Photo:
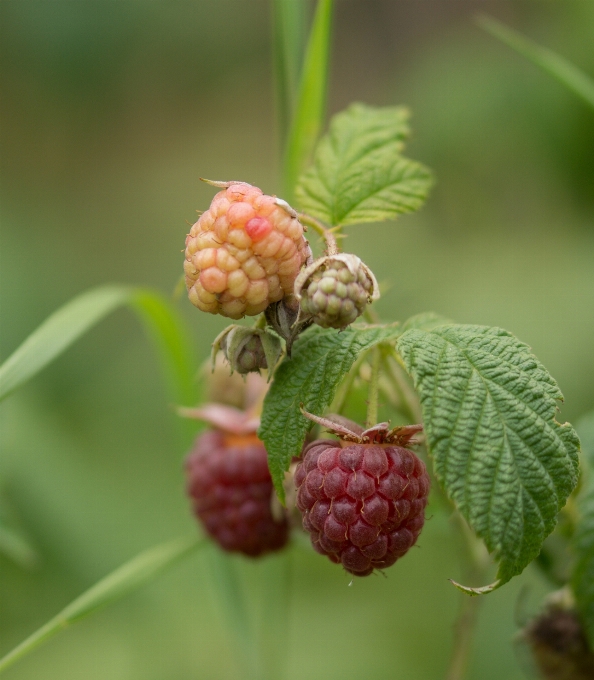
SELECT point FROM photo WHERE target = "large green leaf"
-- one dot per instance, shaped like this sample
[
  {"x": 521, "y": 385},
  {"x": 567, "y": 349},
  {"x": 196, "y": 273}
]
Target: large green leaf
[
  {"x": 320, "y": 360},
  {"x": 358, "y": 174},
  {"x": 131, "y": 575},
  {"x": 311, "y": 101},
  {"x": 489, "y": 414},
  {"x": 76, "y": 317},
  {"x": 555, "y": 65}
]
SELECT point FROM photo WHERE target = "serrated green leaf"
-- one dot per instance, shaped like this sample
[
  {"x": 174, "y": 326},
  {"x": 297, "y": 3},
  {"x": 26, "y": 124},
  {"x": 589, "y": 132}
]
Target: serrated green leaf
[
  {"x": 310, "y": 107},
  {"x": 489, "y": 414},
  {"x": 358, "y": 174},
  {"x": 320, "y": 360},
  {"x": 131, "y": 575},
  {"x": 554, "y": 64}
]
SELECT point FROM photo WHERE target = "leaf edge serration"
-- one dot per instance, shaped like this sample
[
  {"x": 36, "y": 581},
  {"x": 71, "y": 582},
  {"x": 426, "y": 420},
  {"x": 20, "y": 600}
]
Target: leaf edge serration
[{"x": 525, "y": 546}]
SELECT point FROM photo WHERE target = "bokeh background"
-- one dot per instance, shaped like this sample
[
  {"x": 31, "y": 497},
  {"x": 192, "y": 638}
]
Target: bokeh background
[{"x": 110, "y": 113}]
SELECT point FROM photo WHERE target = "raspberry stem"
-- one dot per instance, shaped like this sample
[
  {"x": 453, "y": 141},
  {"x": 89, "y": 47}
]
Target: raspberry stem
[
  {"x": 324, "y": 232},
  {"x": 407, "y": 403},
  {"x": 373, "y": 394},
  {"x": 476, "y": 564}
]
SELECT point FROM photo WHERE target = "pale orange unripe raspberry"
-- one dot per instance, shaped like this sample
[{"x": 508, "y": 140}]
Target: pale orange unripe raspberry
[{"x": 243, "y": 253}]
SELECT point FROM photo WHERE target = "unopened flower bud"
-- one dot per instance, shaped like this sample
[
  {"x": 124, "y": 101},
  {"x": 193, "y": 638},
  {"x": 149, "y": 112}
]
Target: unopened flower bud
[{"x": 248, "y": 349}]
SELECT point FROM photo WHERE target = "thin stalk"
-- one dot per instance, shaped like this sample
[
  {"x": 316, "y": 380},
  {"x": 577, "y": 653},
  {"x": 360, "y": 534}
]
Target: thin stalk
[
  {"x": 288, "y": 32},
  {"x": 373, "y": 394},
  {"x": 410, "y": 405},
  {"x": 327, "y": 234},
  {"x": 463, "y": 634},
  {"x": 476, "y": 562},
  {"x": 342, "y": 394}
]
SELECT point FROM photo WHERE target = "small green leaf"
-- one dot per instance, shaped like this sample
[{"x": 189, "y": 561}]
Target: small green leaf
[
  {"x": 311, "y": 101},
  {"x": 489, "y": 414},
  {"x": 321, "y": 358},
  {"x": 131, "y": 575},
  {"x": 555, "y": 65},
  {"x": 358, "y": 174}
]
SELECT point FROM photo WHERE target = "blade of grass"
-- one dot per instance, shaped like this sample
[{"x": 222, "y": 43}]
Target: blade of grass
[
  {"x": 76, "y": 317},
  {"x": 555, "y": 65},
  {"x": 140, "y": 570},
  {"x": 57, "y": 333},
  {"x": 234, "y": 612},
  {"x": 164, "y": 326},
  {"x": 311, "y": 102},
  {"x": 13, "y": 545},
  {"x": 274, "y": 589},
  {"x": 288, "y": 31}
]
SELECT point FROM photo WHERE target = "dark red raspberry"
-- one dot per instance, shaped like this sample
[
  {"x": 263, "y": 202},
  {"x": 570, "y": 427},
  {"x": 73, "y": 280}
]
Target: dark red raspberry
[
  {"x": 231, "y": 490},
  {"x": 363, "y": 504}
]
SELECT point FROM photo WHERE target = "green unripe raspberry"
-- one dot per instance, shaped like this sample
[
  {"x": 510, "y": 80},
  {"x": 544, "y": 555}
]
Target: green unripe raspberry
[{"x": 335, "y": 289}]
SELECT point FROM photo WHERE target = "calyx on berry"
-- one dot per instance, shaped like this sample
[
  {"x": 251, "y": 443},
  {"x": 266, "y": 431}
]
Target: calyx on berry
[
  {"x": 248, "y": 349},
  {"x": 349, "y": 431},
  {"x": 335, "y": 289},
  {"x": 286, "y": 319},
  {"x": 363, "y": 498}
]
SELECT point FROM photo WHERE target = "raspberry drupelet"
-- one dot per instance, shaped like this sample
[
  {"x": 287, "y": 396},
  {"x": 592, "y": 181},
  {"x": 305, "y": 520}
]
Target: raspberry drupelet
[
  {"x": 244, "y": 252},
  {"x": 362, "y": 501}
]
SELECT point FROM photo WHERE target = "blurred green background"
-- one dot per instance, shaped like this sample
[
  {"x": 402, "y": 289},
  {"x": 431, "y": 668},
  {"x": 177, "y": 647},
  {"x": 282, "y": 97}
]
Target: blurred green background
[{"x": 111, "y": 111}]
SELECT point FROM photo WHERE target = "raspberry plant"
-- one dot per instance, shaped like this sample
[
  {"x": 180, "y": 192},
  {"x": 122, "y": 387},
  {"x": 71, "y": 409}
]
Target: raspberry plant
[{"x": 478, "y": 405}]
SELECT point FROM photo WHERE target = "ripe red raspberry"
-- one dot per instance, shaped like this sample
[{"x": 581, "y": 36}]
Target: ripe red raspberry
[
  {"x": 243, "y": 253},
  {"x": 231, "y": 490},
  {"x": 363, "y": 504}
]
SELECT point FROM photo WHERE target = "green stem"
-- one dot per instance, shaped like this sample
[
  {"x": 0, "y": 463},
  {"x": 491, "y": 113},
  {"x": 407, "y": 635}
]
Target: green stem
[
  {"x": 345, "y": 388},
  {"x": 372, "y": 406},
  {"x": 409, "y": 404},
  {"x": 476, "y": 563},
  {"x": 323, "y": 231}
]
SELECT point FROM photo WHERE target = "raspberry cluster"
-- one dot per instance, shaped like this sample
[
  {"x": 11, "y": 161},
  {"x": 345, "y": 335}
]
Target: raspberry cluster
[
  {"x": 243, "y": 253},
  {"x": 363, "y": 504},
  {"x": 231, "y": 491}
]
